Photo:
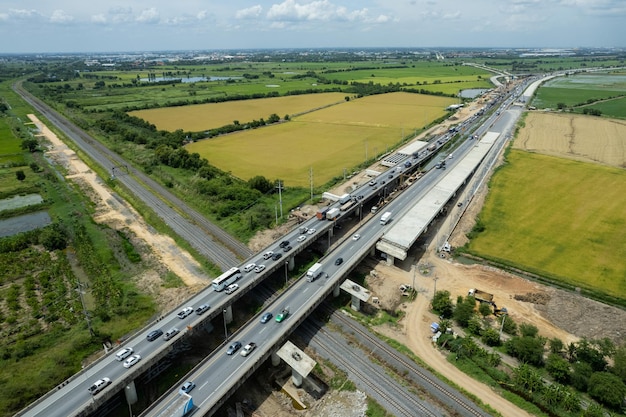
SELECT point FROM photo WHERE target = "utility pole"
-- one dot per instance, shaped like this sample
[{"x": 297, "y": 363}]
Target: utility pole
[
  {"x": 82, "y": 301},
  {"x": 280, "y": 197},
  {"x": 225, "y": 328},
  {"x": 435, "y": 290},
  {"x": 311, "y": 181}
]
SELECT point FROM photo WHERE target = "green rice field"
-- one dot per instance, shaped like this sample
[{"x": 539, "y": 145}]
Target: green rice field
[
  {"x": 571, "y": 228},
  {"x": 603, "y": 91},
  {"x": 326, "y": 141}
]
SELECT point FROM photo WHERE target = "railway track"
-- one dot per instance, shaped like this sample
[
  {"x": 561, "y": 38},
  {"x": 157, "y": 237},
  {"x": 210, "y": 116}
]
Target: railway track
[
  {"x": 403, "y": 366},
  {"x": 388, "y": 392},
  {"x": 210, "y": 240}
]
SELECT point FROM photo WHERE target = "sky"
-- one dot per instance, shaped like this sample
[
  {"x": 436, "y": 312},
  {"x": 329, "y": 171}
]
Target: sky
[{"x": 49, "y": 26}]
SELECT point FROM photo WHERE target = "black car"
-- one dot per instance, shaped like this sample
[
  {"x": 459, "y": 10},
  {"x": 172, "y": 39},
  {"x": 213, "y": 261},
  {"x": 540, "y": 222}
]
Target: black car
[
  {"x": 338, "y": 261},
  {"x": 284, "y": 243},
  {"x": 154, "y": 335},
  {"x": 234, "y": 347},
  {"x": 277, "y": 256},
  {"x": 287, "y": 248}
]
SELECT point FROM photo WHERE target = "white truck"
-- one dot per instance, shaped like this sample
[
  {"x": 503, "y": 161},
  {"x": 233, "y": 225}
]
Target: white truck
[
  {"x": 344, "y": 198},
  {"x": 314, "y": 272},
  {"x": 385, "y": 218},
  {"x": 332, "y": 214}
]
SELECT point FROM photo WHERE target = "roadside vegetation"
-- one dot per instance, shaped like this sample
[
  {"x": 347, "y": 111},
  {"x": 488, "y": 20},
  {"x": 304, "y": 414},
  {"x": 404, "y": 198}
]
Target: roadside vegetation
[{"x": 551, "y": 378}]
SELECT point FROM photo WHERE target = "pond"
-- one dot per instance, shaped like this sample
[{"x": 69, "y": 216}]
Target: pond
[
  {"x": 20, "y": 201},
  {"x": 473, "y": 92},
  {"x": 24, "y": 223}
]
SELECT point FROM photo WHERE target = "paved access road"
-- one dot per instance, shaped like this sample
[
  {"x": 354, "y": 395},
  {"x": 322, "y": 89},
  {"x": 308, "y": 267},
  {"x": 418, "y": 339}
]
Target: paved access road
[{"x": 207, "y": 238}]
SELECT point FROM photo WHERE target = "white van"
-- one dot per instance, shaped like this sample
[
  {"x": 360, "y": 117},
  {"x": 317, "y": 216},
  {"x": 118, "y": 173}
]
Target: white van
[
  {"x": 249, "y": 267},
  {"x": 124, "y": 353}
]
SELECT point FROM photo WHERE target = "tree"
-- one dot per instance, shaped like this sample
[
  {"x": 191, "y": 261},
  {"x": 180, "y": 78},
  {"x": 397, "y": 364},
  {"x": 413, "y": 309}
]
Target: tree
[
  {"x": 464, "y": 310},
  {"x": 528, "y": 330},
  {"x": 556, "y": 345},
  {"x": 619, "y": 363},
  {"x": 484, "y": 309},
  {"x": 558, "y": 368},
  {"x": 34, "y": 167},
  {"x": 53, "y": 237},
  {"x": 261, "y": 184},
  {"x": 581, "y": 372},
  {"x": 607, "y": 388},
  {"x": 20, "y": 175},
  {"x": 588, "y": 351},
  {"x": 526, "y": 349},
  {"x": 510, "y": 327},
  {"x": 442, "y": 304},
  {"x": 31, "y": 145},
  {"x": 491, "y": 337}
]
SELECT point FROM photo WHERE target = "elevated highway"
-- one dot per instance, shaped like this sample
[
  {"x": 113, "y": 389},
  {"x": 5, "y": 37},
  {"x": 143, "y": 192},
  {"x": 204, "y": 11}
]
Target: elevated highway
[{"x": 72, "y": 399}]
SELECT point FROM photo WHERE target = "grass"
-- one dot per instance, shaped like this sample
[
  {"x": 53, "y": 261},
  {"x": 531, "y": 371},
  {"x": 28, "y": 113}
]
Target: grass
[
  {"x": 570, "y": 227},
  {"x": 323, "y": 142}
]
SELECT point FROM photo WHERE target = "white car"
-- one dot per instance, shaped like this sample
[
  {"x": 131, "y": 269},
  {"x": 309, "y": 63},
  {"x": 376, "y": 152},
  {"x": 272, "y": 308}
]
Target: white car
[
  {"x": 185, "y": 312},
  {"x": 131, "y": 361},
  {"x": 302, "y": 238},
  {"x": 267, "y": 255},
  {"x": 311, "y": 231},
  {"x": 247, "y": 349},
  {"x": 232, "y": 288},
  {"x": 259, "y": 268},
  {"x": 356, "y": 237},
  {"x": 124, "y": 353}
]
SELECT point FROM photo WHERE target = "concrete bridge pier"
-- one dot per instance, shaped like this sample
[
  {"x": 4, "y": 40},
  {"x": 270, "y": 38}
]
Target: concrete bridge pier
[
  {"x": 228, "y": 314},
  {"x": 390, "y": 260},
  {"x": 275, "y": 359},
  {"x": 336, "y": 291},
  {"x": 296, "y": 378},
  {"x": 291, "y": 264}
]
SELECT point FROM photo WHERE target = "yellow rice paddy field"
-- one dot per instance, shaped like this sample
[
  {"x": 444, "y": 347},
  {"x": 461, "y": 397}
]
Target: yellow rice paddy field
[
  {"x": 325, "y": 142},
  {"x": 200, "y": 117},
  {"x": 580, "y": 137}
]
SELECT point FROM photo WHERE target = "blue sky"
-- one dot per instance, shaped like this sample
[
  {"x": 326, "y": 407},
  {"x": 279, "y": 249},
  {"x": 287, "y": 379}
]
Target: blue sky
[{"x": 155, "y": 25}]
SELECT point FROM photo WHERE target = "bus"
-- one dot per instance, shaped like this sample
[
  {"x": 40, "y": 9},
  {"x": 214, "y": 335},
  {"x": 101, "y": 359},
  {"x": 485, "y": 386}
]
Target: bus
[{"x": 227, "y": 278}]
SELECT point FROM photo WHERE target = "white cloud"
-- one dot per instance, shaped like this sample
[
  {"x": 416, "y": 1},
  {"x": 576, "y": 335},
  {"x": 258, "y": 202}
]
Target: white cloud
[
  {"x": 318, "y": 10},
  {"x": 24, "y": 14},
  {"x": 4, "y": 17},
  {"x": 249, "y": 13},
  {"x": 99, "y": 18},
  {"x": 201, "y": 15},
  {"x": 59, "y": 16},
  {"x": 150, "y": 15}
]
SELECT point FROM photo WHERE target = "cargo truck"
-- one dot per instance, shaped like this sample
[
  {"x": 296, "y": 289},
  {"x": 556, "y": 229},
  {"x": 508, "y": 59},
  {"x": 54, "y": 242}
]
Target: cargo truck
[
  {"x": 481, "y": 296},
  {"x": 332, "y": 214},
  {"x": 385, "y": 218},
  {"x": 314, "y": 272},
  {"x": 347, "y": 205},
  {"x": 321, "y": 213},
  {"x": 431, "y": 147}
]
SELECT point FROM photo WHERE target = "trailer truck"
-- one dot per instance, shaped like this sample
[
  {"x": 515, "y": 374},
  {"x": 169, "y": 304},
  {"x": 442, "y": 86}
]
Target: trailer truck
[
  {"x": 385, "y": 218},
  {"x": 314, "y": 272},
  {"x": 344, "y": 199}
]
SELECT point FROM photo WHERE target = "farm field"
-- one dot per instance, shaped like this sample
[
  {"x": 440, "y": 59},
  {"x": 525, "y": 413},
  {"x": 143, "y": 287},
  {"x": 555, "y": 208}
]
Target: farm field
[
  {"x": 326, "y": 141},
  {"x": 604, "y": 92},
  {"x": 201, "y": 117},
  {"x": 570, "y": 228},
  {"x": 10, "y": 146},
  {"x": 580, "y": 137}
]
